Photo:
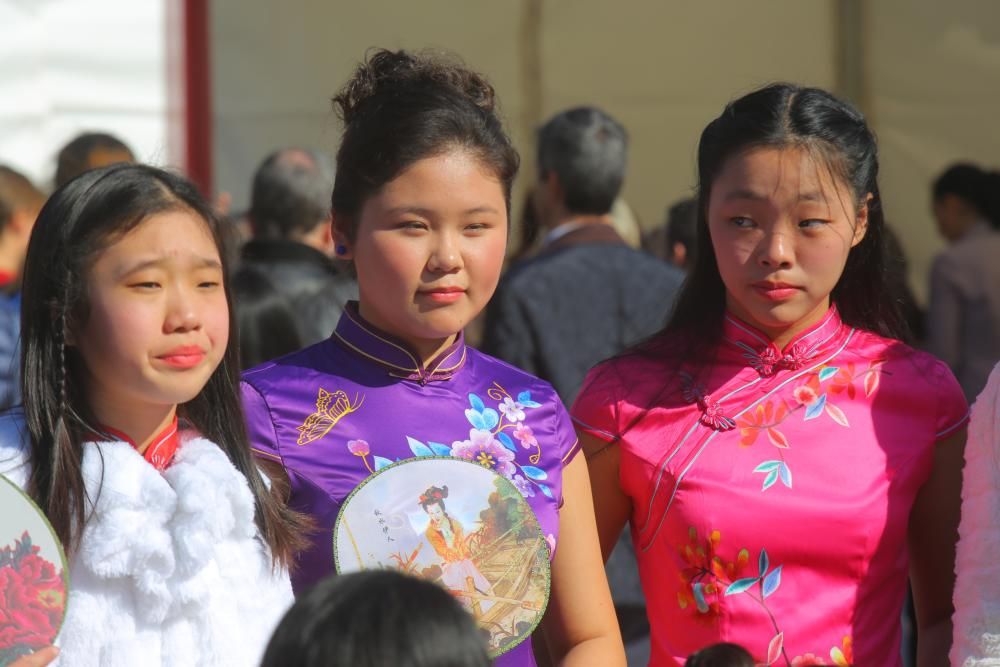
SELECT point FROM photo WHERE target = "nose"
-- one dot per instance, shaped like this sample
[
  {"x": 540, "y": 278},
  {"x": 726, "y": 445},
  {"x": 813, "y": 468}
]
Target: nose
[
  {"x": 446, "y": 254},
  {"x": 183, "y": 312},
  {"x": 776, "y": 250}
]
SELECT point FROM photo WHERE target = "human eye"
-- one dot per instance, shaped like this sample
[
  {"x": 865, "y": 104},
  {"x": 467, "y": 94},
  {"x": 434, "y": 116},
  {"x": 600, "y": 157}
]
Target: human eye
[
  {"x": 144, "y": 285},
  {"x": 208, "y": 279},
  {"x": 741, "y": 222},
  {"x": 812, "y": 223},
  {"x": 477, "y": 227},
  {"x": 412, "y": 226}
]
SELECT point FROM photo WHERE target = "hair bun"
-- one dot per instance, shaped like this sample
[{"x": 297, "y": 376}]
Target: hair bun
[{"x": 391, "y": 74}]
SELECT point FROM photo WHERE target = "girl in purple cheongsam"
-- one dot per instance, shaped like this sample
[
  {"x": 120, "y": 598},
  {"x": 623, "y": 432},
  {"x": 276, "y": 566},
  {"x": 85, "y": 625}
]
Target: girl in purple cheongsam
[{"x": 421, "y": 207}]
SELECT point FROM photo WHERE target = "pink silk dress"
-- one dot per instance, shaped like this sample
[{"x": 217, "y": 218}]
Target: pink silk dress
[{"x": 771, "y": 491}]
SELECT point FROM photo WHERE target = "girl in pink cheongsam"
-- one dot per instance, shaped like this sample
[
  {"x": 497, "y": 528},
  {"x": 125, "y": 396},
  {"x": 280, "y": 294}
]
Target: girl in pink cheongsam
[{"x": 784, "y": 460}]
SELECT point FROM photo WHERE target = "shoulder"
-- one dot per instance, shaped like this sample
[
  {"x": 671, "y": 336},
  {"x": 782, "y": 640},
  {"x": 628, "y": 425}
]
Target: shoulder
[
  {"x": 487, "y": 366},
  {"x": 915, "y": 380},
  {"x": 906, "y": 365},
  {"x": 275, "y": 373},
  {"x": 632, "y": 374},
  {"x": 15, "y": 447}
]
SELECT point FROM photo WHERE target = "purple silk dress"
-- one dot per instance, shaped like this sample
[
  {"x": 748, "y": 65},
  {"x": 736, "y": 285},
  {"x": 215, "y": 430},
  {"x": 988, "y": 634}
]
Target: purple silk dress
[{"x": 335, "y": 413}]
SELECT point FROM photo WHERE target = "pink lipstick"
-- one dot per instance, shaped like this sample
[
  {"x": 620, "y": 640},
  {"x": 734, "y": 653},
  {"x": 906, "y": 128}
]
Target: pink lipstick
[
  {"x": 443, "y": 295},
  {"x": 774, "y": 291},
  {"x": 183, "y": 356}
]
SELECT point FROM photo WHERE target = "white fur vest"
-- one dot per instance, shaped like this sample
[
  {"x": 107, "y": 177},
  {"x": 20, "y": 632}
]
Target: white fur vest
[
  {"x": 977, "y": 561},
  {"x": 170, "y": 570}
]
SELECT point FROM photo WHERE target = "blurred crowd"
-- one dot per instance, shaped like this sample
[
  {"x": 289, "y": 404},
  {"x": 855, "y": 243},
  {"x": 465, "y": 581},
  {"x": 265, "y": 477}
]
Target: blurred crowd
[{"x": 585, "y": 281}]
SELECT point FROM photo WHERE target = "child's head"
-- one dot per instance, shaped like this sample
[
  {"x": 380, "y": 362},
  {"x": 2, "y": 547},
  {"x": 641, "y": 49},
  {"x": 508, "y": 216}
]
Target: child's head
[
  {"x": 376, "y": 618},
  {"x": 720, "y": 655},
  {"x": 962, "y": 195},
  {"x": 20, "y": 202},
  {"x": 124, "y": 299},
  {"x": 789, "y": 217},
  {"x": 125, "y": 311},
  {"x": 422, "y": 193}
]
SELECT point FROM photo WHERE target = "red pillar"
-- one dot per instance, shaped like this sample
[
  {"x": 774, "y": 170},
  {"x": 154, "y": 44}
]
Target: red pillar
[{"x": 197, "y": 96}]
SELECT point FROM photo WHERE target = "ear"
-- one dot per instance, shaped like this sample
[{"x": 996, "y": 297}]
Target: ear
[
  {"x": 326, "y": 237},
  {"x": 343, "y": 248},
  {"x": 22, "y": 221},
  {"x": 861, "y": 221}
]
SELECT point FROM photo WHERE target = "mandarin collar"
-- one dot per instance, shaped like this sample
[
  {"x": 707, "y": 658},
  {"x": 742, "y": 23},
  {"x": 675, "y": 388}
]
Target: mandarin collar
[
  {"x": 161, "y": 450},
  {"x": 761, "y": 354},
  {"x": 393, "y": 354}
]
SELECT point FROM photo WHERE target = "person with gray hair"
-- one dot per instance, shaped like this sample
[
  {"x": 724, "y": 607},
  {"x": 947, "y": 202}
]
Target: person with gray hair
[
  {"x": 292, "y": 243},
  {"x": 585, "y": 297}
]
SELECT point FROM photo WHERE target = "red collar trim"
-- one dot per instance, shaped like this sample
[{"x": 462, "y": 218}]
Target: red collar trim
[{"x": 161, "y": 451}]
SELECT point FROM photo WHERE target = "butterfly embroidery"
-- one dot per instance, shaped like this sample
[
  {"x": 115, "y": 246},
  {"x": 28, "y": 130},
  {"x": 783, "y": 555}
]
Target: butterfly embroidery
[{"x": 331, "y": 407}]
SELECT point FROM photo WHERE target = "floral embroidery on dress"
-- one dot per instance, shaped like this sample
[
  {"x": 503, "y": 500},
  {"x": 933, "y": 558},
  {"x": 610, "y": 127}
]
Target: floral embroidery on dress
[
  {"x": 842, "y": 656},
  {"x": 706, "y": 575},
  {"x": 814, "y": 398},
  {"x": 707, "y": 578},
  {"x": 488, "y": 442}
]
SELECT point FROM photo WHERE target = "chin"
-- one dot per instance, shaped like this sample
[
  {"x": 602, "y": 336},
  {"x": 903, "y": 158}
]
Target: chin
[{"x": 433, "y": 328}]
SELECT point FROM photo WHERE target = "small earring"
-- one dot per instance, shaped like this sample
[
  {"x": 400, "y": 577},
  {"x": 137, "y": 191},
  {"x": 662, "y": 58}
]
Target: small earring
[{"x": 341, "y": 249}]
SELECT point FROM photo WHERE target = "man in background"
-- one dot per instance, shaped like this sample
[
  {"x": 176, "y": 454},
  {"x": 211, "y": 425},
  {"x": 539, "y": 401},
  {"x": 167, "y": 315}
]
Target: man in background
[
  {"x": 585, "y": 297},
  {"x": 292, "y": 242},
  {"x": 20, "y": 203}
]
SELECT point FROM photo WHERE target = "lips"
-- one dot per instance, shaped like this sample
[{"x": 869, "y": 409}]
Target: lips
[
  {"x": 443, "y": 294},
  {"x": 775, "y": 291},
  {"x": 183, "y": 356}
]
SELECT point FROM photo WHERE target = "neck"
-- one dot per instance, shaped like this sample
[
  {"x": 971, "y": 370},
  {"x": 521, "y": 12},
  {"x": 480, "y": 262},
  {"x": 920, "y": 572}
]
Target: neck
[
  {"x": 578, "y": 219},
  {"x": 970, "y": 223},
  {"x": 140, "y": 425},
  {"x": 781, "y": 336},
  {"x": 429, "y": 350},
  {"x": 425, "y": 350}
]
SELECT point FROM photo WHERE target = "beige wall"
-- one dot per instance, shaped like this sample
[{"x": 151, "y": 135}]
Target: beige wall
[
  {"x": 927, "y": 75},
  {"x": 664, "y": 69},
  {"x": 933, "y": 96}
]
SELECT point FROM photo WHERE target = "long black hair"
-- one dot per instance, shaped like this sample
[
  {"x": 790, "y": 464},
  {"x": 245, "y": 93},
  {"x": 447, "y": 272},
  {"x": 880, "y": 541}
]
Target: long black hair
[
  {"x": 784, "y": 115},
  {"x": 77, "y": 223},
  {"x": 375, "y": 618}
]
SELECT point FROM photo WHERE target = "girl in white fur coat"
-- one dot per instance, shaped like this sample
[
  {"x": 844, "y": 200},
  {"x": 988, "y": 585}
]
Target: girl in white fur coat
[
  {"x": 131, "y": 437},
  {"x": 977, "y": 560}
]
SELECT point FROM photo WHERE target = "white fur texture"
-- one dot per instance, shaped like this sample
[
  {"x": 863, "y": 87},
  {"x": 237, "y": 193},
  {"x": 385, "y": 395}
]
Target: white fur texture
[
  {"x": 170, "y": 570},
  {"x": 977, "y": 562}
]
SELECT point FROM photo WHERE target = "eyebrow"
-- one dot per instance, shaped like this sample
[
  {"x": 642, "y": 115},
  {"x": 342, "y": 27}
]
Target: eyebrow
[
  {"x": 200, "y": 263},
  {"x": 428, "y": 213},
  {"x": 753, "y": 195}
]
